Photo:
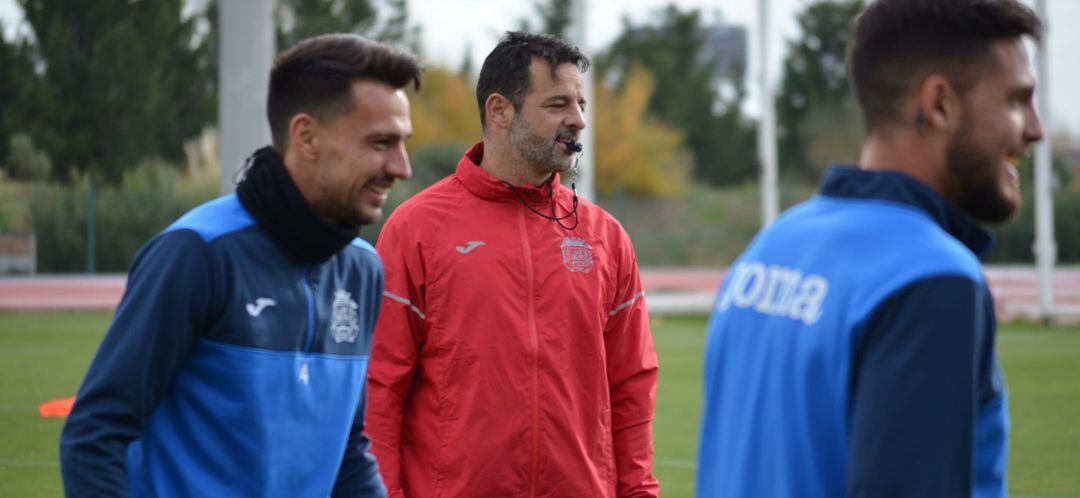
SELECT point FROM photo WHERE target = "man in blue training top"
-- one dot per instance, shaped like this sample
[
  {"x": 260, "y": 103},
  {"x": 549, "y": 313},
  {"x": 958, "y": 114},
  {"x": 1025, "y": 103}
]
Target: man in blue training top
[
  {"x": 851, "y": 349},
  {"x": 235, "y": 363}
]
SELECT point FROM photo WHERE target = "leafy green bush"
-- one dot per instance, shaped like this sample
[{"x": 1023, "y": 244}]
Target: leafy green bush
[
  {"x": 26, "y": 162},
  {"x": 708, "y": 227},
  {"x": 149, "y": 198}
]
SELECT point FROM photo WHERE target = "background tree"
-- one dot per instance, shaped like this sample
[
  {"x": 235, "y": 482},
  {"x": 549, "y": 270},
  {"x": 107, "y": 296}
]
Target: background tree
[
  {"x": 687, "y": 92},
  {"x": 398, "y": 29},
  {"x": 445, "y": 123},
  {"x": 100, "y": 89},
  {"x": 635, "y": 153},
  {"x": 299, "y": 19},
  {"x": 444, "y": 111},
  {"x": 14, "y": 88},
  {"x": 554, "y": 16},
  {"x": 816, "y": 112},
  {"x": 112, "y": 84}
]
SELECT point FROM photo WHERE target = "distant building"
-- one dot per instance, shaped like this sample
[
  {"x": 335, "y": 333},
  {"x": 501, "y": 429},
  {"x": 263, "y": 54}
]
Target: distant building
[{"x": 727, "y": 44}]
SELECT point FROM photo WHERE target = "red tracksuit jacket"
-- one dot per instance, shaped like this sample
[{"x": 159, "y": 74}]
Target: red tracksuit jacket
[{"x": 513, "y": 357}]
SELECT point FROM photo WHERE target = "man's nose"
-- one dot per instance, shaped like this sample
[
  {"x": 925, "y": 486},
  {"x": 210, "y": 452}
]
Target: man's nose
[
  {"x": 576, "y": 119},
  {"x": 1033, "y": 127},
  {"x": 398, "y": 165}
]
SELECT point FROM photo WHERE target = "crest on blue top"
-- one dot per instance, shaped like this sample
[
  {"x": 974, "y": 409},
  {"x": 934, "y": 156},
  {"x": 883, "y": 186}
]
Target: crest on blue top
[{"x": 345, "y": 321}]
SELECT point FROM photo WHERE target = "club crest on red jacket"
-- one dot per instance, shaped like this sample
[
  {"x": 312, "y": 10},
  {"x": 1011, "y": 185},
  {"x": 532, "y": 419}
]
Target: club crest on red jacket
[{"x": 577, "y": 255}]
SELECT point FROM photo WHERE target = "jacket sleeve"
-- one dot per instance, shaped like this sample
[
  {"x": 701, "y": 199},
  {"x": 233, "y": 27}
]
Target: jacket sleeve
[
  {"x": 165, "y": 309},
  {"x": 632, "y": 373},
  {"x": 394, "y": 356},
  {"x": 914, "y": 388},
  {"x": 359, "y": 475}
]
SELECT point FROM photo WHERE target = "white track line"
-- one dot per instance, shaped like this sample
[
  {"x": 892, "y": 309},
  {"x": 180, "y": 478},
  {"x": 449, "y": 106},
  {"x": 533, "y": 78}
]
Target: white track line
[{"x": 15, "y": 462}]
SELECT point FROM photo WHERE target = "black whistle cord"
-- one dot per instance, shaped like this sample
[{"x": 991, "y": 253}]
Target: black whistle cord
[{"x": 551, "y": 197}]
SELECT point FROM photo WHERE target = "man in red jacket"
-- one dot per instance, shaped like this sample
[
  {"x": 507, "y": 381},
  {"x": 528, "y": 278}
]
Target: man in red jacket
[{"x": 513, "y": 355}]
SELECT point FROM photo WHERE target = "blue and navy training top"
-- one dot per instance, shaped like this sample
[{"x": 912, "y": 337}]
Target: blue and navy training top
[
  {"x": 229, "y": 371},
  {"x": 851, "y": 353}
]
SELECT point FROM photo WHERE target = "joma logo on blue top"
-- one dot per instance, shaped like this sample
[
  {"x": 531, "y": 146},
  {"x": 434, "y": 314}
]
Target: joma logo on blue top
[{"x": 775, "y": 290}]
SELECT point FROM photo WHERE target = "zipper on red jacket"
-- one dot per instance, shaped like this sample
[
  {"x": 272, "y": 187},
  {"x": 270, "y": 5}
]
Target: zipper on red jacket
[{"x": 534, "y": 342}]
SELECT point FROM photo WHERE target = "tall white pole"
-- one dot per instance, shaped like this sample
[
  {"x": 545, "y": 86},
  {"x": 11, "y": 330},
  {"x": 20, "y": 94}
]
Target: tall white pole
[
  {"x": 586, "y": 179},
  {"x": 767, "y": 128},
  {"x": 245, "y": 55},
  {"x": 1045, "y": 247}
]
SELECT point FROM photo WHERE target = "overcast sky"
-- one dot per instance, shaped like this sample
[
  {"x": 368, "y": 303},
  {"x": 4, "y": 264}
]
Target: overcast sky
[{"x": 450, "y": 27}]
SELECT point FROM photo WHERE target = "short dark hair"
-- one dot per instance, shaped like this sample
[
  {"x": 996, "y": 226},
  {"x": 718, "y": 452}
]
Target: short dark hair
[
  {"x": 315, "y": 76},
  {"x": 897, "y": 43},
  {"x": 506, "y": 68}
]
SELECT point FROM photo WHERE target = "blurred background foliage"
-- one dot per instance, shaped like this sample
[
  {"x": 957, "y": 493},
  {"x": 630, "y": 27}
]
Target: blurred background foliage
[{"x": 119, "y": 101}]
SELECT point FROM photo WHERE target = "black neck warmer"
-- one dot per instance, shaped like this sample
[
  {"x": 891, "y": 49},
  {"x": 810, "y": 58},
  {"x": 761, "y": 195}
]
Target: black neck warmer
[{"x": 269, "y": 194}]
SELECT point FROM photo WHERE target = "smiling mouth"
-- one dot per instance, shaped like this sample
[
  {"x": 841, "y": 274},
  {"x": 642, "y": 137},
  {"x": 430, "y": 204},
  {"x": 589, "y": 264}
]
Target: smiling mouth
[
  {"x": 1012, "y": 172},
  {"x": 382, "y": 190}
]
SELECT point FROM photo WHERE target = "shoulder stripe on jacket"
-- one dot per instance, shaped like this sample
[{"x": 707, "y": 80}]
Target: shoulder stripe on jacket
[
  {"x": 406, "y": 302},
  {"x": 623, "y": 306},
  {"x": 215, "y": 218}
]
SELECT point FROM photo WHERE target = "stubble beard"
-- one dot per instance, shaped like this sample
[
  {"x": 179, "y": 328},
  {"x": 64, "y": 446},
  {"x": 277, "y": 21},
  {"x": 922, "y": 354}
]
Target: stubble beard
[
  {"x": 346, "y": 215},
  {"x": 536, "y": 150},
  {"x": 347, "y": 209},
  {"x": 975, "y": 183}
]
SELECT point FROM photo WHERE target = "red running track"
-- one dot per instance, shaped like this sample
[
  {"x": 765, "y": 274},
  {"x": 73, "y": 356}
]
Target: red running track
[{"x": 1015, "y": 289}]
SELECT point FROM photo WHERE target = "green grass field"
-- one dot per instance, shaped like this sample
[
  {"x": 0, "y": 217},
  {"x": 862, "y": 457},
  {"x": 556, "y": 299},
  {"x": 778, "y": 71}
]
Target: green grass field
[{"x": 43, "y": 356}]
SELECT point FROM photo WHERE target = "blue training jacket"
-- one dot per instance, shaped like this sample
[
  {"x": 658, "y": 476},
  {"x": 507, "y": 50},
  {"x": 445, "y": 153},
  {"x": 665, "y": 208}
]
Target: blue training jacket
[
  {"x": 229, "y": 371},
  {"x": 851, "y": 353}
]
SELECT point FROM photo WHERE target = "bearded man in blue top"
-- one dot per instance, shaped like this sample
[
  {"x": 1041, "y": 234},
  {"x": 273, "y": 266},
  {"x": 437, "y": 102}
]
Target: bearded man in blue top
[{"x": 851, "y": 348}]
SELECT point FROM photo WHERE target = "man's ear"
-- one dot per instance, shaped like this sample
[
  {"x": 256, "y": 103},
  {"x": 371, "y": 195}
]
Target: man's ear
[
  {"x": 937, "y": 105},
  {"x": 499, "y": 111},
  {"x": 304, "y": 136}
]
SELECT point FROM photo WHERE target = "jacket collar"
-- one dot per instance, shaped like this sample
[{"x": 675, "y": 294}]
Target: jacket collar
[
  {"x": 852, "y": 183},
  {"x": 482, "y": 184},
  {"x": 270, "y": 194}
]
